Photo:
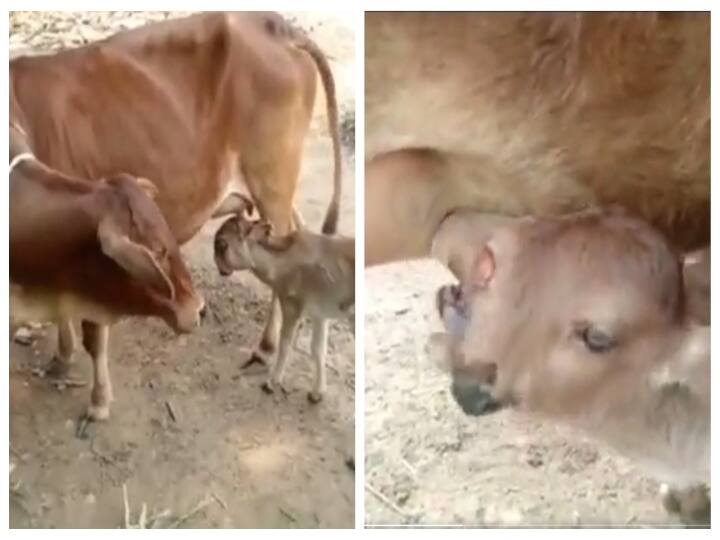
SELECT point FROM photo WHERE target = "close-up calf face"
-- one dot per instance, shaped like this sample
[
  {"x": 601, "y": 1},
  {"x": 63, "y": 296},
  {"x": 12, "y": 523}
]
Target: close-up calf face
[{"x": 561, "y": 314}]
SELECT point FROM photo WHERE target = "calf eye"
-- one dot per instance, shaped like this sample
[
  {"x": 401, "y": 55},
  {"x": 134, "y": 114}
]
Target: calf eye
[{"x": 596, "y": 340}]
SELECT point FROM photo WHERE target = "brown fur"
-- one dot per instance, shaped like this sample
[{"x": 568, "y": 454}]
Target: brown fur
[{"x": 540, "y": 113}]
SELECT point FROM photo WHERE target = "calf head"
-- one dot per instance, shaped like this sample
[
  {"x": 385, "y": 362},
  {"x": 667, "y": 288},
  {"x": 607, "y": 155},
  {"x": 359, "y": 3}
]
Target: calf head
[
  {"x": 134, "y": 234},
  {"x": 239, "y": 240},
  {"x": 570, "y": 316}
]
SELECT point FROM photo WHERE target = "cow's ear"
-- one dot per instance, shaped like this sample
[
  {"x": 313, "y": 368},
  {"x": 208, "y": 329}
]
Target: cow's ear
[
  {"x": 134, "y": 258},
  {"x": 483, "y": 268},
  {"x": 147, "y": 186}
]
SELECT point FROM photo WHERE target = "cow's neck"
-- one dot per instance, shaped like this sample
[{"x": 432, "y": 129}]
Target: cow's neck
[{"x": 42, "y": 201}]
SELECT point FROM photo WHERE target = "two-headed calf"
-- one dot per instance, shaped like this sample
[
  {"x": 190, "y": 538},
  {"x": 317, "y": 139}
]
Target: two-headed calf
[
  {"x": 584, "y": 319},
  {"x": 313, "y": 276}
]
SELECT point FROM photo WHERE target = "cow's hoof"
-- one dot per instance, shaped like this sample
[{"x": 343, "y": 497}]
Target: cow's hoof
[
  {"x": 314, "y": 397},
  {"x": 56, "y": 369},
  {"x": 267, "y": 388}
]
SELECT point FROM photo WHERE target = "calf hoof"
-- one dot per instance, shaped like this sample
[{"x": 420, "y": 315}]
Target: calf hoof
[
  {"x": 314, "y": 397},
  {"x": 254, "y": 360},
  {"x": 269, "y": 388}
]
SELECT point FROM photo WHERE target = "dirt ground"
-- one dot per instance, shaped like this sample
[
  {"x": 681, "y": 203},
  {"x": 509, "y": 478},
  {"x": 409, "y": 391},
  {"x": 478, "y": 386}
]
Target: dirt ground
[
  {"x": 237, "y": 456},
  {"x": 432, "y": 465}
]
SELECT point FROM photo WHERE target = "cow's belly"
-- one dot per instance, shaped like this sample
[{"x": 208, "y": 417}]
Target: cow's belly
[
  {"x": 187, "y": 214},
  {"x": 30, "y": 305}
]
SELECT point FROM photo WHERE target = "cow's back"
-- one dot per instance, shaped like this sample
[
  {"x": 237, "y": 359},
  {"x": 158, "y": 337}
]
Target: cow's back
[{"x": 176, "y": 102}]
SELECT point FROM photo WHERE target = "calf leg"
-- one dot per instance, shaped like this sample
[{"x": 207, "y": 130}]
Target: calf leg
[
  {"x": 273, "y": 191},
  {"x": 319, "y": 350},
  {"x": 95, "y": 341},
  {"x": 290, "y": 321}
]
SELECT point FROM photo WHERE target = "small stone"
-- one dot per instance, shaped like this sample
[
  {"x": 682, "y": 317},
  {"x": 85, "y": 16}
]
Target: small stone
[{"x": 90, "y": 498}]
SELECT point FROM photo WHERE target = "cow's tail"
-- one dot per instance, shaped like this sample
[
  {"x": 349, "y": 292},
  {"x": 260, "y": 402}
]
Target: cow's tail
[{"x": 333, "y": 212}]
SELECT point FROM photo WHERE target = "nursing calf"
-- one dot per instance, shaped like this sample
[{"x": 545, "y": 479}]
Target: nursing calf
[
  {"x": 583, "y": 319},
  {"x": 313, "y": 276}
]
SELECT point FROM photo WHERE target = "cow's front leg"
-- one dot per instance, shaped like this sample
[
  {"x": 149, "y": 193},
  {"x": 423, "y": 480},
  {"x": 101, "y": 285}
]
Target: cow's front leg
[
  {"x": 95, "y": 340},
  {"x": 60, "y": 364}
]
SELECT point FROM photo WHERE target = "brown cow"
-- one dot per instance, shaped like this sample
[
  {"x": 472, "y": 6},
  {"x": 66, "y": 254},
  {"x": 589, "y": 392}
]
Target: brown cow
[
  {"x": 541, "y": 114},
  {"x": 583, "y": 319},
  {"x": 95, "y": 251},
  {"x": 204, "y": 106}
]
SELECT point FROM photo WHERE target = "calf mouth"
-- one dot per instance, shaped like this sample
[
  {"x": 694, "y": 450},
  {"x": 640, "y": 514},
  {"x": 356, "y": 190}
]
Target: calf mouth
[{"x": 474, "y": 399}]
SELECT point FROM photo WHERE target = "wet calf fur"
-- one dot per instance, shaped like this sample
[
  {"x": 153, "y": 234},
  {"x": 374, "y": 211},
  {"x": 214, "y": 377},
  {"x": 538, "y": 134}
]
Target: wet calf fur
[
  {"x": 584, "y": 319},
  {"x": 312, "y": 275}
]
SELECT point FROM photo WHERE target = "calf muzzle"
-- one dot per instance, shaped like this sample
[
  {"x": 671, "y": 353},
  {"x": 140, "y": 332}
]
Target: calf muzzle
[{"x": 474, "y": 399}]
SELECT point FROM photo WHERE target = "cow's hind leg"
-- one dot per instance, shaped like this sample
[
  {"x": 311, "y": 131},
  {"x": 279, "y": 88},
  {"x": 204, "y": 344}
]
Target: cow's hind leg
[
  {"x": 95, "y": 340},
  {"x": 273, "y": 189},
  {"x": 406, "y": 197}
]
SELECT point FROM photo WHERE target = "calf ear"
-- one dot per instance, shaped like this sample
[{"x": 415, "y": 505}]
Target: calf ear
[
  {"x": 134, "y": 258},
  {"x": 483, "y": 268},
  {"x": 147, "y": 186}
]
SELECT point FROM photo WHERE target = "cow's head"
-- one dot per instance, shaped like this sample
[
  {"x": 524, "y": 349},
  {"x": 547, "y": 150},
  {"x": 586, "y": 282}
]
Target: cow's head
[
  {"x": 569, "y": 316},
  {"x": 134, "y": 234}
]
